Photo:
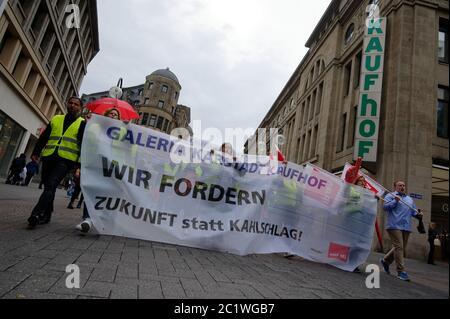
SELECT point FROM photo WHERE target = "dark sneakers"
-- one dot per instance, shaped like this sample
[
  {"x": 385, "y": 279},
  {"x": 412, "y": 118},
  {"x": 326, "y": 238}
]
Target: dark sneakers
[
  {"x": 44, "y": 221},
  {"x": 45, "y": 218},
  {"x": 32, "y": 221}
]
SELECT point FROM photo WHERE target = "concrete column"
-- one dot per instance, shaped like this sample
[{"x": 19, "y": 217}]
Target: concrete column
[
  {"x": 23, "y": 144},
  {"x": 67, "y": 91},
  {"x": 3, "y": 25},
  {"x": 311, "y": 146},
  {"x": 313, "y": 104},
  {"x": 408, "y": 110},
  {"x": 32, "y": 14},
  {"x": 40, "y": 36},
  {"x": 47, "y": 103},
  {"x": 52, "y": 110},
  {"x": 32, "y": 84},
  {"x": 40, "y": 95},
  {"x": 22, "y": 70},
  {"x": 10, "y": 53},
  {"x": 62, "y": 83}
]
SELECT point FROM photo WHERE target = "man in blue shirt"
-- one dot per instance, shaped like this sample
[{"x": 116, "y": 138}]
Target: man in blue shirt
[{"x": 399, "y": 227}]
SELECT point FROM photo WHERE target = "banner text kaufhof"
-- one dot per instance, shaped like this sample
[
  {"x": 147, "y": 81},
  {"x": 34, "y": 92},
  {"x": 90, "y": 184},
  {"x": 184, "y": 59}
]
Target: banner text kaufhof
[{"x": 133, "y": 189}]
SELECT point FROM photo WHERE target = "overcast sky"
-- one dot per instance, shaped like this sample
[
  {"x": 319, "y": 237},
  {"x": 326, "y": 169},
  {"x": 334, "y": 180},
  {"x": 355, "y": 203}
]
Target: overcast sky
[{"x": 232, "y": 57}]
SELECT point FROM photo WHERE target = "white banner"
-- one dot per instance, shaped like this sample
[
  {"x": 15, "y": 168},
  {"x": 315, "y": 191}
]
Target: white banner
[{"x": 133, "y": 189}]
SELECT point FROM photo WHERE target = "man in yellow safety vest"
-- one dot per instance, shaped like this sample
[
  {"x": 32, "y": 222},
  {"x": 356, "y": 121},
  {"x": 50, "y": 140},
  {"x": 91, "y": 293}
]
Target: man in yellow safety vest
[{"x": 59, "y": 146}]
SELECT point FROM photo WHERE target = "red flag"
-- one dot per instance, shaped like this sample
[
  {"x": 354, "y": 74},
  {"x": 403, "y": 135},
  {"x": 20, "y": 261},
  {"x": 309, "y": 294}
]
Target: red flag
[
  {"x": 352, "y": 172},
  {"x": 280, "y": 156}
]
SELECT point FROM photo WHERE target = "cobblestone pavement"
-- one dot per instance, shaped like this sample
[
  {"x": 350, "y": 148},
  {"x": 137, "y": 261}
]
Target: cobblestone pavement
[{"x": 33, "y": 263}]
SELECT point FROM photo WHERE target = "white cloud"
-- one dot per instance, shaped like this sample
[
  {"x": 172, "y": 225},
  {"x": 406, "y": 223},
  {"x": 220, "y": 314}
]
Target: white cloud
[{"x": 232, "y": 57}]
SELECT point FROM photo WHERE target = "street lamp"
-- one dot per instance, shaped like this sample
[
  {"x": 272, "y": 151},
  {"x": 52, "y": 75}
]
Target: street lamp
[{"x": 116, "y": 91}]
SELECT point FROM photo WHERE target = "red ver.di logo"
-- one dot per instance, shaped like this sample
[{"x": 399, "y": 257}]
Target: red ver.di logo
[{"x": 339, "y": 252}]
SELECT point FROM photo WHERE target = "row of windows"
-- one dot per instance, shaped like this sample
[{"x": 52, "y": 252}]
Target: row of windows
[
  {"x": 443, "y": 40},
  {"x": 307, "y": 145},
  {"x": 41, "y": 31},
  {"x": 160, "y": 103},
  {"x": 157, "y": 122},
  {"x": 352, "y": 75},
  {"x": 344, "y": 130},
  {"x": 317, "y": 69},
  {"x": 164, "y": 89},
  {"x": 311, "y": 106},
  {"x": 441, "y": 122},
  {"x": 17, "y": 61}
]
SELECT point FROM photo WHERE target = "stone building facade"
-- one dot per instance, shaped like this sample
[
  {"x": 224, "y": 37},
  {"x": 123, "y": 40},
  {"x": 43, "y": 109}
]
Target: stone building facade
[
  {"x": 156, "y": 101},
  {"x": 130, "y": 94},
  {"x": 160, "y": 109},
  {"x": 43, "y": 60},
  {"x": 316, "y": 111}
]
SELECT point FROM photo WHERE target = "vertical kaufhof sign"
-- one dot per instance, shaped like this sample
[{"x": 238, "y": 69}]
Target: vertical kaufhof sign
[{"x": 368, "y": 117}]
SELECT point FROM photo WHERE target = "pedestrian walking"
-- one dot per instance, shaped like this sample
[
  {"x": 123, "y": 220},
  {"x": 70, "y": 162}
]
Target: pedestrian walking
[
  {"x": 16, "y": 168},
  {"x": 77, "y": 188},
  {"x": 400, "y": 208},
  {"x": 32, "y": 169},
  {"x": 86, "y": 224},
  {"x": 59, "y": 146},
  {"x": 432, "y": 236}
]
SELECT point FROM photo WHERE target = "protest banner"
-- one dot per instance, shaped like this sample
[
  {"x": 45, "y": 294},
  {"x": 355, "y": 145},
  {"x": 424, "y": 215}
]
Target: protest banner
[{"x": 133, "y": 188}]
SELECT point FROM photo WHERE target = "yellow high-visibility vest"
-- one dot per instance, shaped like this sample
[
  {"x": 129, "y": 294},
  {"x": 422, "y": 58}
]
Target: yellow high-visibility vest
[{"x": 66, "y": 142}]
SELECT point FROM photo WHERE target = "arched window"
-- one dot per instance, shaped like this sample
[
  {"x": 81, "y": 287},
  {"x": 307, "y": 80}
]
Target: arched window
[{"x": 349, "y": 33}]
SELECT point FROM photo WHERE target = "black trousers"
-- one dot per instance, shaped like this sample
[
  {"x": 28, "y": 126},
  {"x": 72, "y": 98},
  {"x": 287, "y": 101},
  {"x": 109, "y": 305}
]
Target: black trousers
[
  {"x": 80, "y": 202},
  {"x": 85, "y": 212},
  {"x": 28, "y": 179},
  {"x": 431, "y": 253},
  {"x": 53, "y": 173}
]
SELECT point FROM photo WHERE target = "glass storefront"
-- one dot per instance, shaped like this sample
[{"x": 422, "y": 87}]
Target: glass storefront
[{"x": 11, "y": 135}]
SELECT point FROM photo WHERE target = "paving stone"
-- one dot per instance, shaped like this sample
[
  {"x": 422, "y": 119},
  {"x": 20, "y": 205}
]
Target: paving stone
[
  {"x": 124, "y": 292},
  {"x": 37, "y": 283},
  {"x": 172, "y": 290},
  {"x": 103, "y": 274},
  {"x": 150, "y": 290},
  {"x": 128, "y": 270},
  {"x": 33, "y": 265}
]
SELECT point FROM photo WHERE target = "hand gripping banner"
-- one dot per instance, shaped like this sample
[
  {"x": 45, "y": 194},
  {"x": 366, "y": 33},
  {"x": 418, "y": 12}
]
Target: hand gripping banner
[{"x": 133, "y": 189}]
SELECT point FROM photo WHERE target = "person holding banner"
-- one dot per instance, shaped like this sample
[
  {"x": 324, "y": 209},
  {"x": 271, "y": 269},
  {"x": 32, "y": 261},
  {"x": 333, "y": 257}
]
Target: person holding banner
[
  {"x": 86, "y": 224},
  {"x": 60, "y": 147},
  {"x": 400, "y": 209}
]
